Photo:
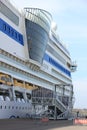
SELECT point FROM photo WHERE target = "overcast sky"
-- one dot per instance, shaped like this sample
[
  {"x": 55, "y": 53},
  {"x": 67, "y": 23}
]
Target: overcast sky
[{"x": 71, "y": 18}]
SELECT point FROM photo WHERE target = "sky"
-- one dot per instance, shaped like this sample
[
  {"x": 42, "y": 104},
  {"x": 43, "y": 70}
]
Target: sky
[{"x": 71, "y": 19}]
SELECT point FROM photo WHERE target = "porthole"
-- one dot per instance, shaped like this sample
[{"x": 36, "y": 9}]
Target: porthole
[{"x": 0, "y": 107}]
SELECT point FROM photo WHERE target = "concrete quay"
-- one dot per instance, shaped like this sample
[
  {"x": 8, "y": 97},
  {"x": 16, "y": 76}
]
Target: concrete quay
[{"x": 32, "y": 124}]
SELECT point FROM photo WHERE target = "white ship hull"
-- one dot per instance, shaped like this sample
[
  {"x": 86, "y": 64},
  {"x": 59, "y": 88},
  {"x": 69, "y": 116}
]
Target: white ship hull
[
  {"x": 35, "y": 67},
  {"x": 15, "y": 110}
]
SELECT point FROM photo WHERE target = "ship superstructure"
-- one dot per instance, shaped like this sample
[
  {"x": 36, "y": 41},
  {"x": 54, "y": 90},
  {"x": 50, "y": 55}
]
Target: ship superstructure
[{"x": 35, "y": 67}]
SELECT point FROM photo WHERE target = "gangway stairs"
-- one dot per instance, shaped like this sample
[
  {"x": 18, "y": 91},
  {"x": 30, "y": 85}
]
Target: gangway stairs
[
  {"x": 59, "y": 105},
  {"x": 59, "y": 109},
  {"x": 53, "y": 103}
]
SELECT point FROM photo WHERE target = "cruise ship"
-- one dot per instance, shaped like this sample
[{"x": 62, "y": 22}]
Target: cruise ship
[{"x": 35, "y": 67}]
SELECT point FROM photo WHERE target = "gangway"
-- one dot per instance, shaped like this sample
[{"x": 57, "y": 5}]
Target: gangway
[{"x": 49, "y": 102}]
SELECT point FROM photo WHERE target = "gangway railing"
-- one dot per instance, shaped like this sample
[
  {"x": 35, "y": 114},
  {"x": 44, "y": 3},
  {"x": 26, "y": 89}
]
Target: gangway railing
[
  {"x": 50, "y": 102},
  {"x": 59, "y": 105},
  {"x": 64, "y": 115}
]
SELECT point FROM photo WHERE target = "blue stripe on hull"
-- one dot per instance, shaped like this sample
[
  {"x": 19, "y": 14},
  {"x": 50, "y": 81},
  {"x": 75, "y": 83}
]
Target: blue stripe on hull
[
  {"x": 11, "y": 32},
  {"x": 56, "y": 64}
]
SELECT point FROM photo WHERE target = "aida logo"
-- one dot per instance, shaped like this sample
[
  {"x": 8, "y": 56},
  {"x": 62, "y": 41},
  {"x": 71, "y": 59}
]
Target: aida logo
[{"x": 11, "y": 32}]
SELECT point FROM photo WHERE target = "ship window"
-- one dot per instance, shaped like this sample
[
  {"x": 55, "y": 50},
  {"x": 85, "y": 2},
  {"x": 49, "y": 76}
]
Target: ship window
[
  {"x": 8, "y": 29},
  {"x": 19, "y": 37},
  {"x": 16, "y": 107},
  {"x": 19, "y": 108},
  {"x": 16, "y": 35},
  {"x": 12, "y": 107},
  {"x": 22, "y": 107},
  {"x": 56, "y": 54},
  {"x": 12, "y": 32},
  {"x": 9, "y": 13},
  {"x": 0, "y": 107},
  {"x": 4, "y": 27}
]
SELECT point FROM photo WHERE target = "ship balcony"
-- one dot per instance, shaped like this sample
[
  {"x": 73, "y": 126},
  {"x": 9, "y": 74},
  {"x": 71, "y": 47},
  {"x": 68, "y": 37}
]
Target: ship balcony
[
  {"x": 39, "y": 16},
  {"x": 73, "y": 66}
]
